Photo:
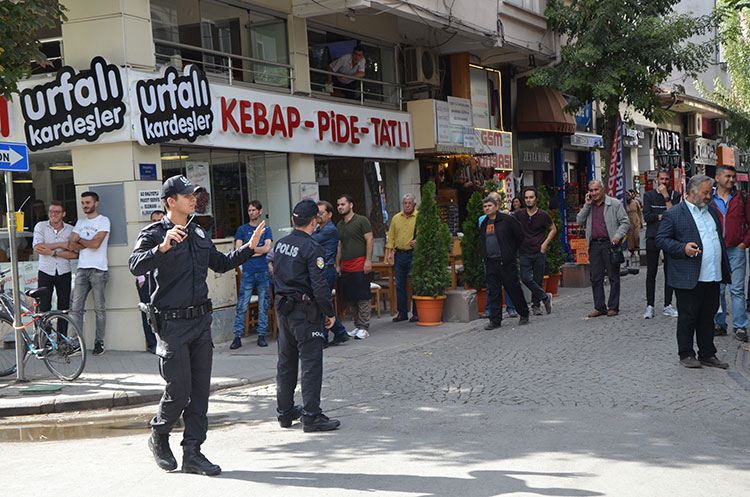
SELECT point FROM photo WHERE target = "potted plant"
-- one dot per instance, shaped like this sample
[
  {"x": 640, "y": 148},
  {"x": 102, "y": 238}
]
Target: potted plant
[
  {"x": 554, "y": 251},
  {"x": 429, "y": 270},
  {"x": 472, "y": 258}
]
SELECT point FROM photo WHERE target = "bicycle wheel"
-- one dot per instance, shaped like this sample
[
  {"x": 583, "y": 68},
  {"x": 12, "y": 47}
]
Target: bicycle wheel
[
  {"x": 65, "y": 350},
  {"x": 7, "y": 346}
]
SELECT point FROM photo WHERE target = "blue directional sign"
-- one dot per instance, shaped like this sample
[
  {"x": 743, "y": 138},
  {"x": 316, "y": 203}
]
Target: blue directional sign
[{"x": 14, "y": 157}]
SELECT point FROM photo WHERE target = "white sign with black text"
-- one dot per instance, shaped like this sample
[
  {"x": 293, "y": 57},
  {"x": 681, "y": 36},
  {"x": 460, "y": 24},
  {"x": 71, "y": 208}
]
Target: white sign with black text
[{"x": 149, "y": 201}]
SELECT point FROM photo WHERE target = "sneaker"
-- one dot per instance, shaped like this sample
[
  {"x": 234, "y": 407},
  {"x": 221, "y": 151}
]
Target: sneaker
[
  {"x": 670, "y": 311},
  {"x": 321, "y": 422},
  {"x": 99, "y": 348},
  {"x": 740, "y": 334},
  {"x": 485, "y": 315},
  {"x": 512, "y": 314},
  {"x": 536, "y": 310},
  {"x": 720, "y": 331},
  {"x": 523, "y": 320},
  {"x": 353, "y": 332},
  {"x": 344, "y": 337},
  {"x": 262, "y": 341},
  {"x": 649, "y": 312},
  {"x": 362, "y": 334},
  {"x": 285, "y": 421},
  {"x": 548, "y": 303},
  {"x": 236, "y": 343}
]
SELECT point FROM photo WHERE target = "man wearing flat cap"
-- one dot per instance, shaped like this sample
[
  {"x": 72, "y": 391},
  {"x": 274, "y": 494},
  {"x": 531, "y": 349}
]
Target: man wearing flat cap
[
  {"x": 302, "y": 295},
  {"x": 178, "y": 254}
]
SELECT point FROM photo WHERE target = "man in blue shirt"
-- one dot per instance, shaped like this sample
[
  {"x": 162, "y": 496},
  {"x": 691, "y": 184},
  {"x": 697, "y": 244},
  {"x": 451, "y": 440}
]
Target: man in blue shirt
[
  {"x": 254, "y": 276},
  {"x": 327, "y": 236}
]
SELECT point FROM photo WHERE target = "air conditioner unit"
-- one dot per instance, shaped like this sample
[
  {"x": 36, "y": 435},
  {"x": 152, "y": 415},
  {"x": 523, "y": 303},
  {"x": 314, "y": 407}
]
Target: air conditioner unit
[
  {"x": 421, "y": 67},
  {"x": 720, "y": 127},
  {"x": 695, "y": 125}
]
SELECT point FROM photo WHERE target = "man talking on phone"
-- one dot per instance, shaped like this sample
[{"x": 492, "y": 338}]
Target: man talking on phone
[
  {"x": 606, "y": 224},
  {"x": 691, "y": 236}
]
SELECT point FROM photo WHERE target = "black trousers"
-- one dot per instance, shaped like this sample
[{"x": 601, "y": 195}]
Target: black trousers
[
  {"x": 145, "y": 297},
  {"x": 600, "y": 267},
  {"x": 652, "y": 261},
  {"x": 61, "y": 284},
  {"x": 504, "y": 276},
  {"x": 696, "y": 309},
  {"x": 186, "y": 355},
  {"x": 300, "y": 343}
]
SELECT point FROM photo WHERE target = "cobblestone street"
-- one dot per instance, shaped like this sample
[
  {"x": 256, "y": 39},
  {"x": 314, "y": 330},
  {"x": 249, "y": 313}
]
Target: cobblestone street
[{"x": 564, "y": 406}]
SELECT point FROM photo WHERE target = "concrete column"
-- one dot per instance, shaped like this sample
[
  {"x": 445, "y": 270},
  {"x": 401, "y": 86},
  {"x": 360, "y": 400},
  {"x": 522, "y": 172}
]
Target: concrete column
[
  {"x": 298, "y": 56},
  {"x": 117, "y": 164},
  {"x": 301, "y": 170},
  {"x": 408, "y": 179},
  {"x": 118, "y": 30}
]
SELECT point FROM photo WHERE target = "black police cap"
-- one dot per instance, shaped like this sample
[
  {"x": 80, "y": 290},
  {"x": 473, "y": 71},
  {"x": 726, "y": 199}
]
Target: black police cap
[
  {"x": 179, "y": 184},
  {"x": 305, "y": 209}
]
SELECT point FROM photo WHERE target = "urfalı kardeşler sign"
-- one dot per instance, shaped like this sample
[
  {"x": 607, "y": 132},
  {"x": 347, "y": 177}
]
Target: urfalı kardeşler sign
[
  {"x": 175, "y": 107},
  {"x": 73, "y": 106}
]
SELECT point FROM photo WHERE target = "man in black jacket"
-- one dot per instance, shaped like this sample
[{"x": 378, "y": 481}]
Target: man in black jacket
[
  {"x": 501, "y": 236},
  {"x": 655, "y": 203}
]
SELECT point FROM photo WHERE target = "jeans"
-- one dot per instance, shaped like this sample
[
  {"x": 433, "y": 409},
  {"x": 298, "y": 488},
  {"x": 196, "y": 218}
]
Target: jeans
[
  {"x": 88, "y": 279},
  {"x": 652, "y": 261},
  {"x": 401, "y": 269},
  {"x": 532, "y": 275},
  {"x": 737, "y": 263},
  {"x": 337, "y": 329},
  {"x": 259, "y": 281}
]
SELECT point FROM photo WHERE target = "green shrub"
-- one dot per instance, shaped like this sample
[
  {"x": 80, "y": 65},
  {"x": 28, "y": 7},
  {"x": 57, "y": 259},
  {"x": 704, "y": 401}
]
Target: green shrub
[
  {"x": 470, "y": 251},
  {"x": 430, "y": 274},
  {"x": 554, "y": 251}
]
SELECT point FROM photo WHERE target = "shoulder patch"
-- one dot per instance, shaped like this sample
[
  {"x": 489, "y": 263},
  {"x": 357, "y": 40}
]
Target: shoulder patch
[{"x": 320, "y": 262}]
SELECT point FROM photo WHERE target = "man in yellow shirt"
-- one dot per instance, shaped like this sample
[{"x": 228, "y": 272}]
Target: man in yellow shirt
[{"x": 400, "y": 251}]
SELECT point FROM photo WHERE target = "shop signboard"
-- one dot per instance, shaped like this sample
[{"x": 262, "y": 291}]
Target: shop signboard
[
  {"x": 667, "y": 140},
  {"x": 633, "y": 136},
  {"x": 587, "y": 140},
  {"x": 497, "y": 143},
  {"x": 442, "y": 118},
  {"x": 460, "y": 111},
  {"x": 535, "y": 154},
  {"x": 704, "y": 151},
  {"x": 583, "y": 115},
  {"x": 480, "y": 99},
  {"x": 74, "y": 107}
]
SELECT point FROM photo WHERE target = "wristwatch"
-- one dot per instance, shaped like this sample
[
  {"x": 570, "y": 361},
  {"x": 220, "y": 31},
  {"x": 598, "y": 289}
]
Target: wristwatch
[{"x": 54, "y": 253}]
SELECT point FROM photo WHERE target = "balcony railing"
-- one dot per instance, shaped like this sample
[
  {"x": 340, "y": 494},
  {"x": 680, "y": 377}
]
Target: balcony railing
[
  {"x": 366, "y": 91},
  {"x": 227, "y": 68},
  {"x": 53, "y": 49}
]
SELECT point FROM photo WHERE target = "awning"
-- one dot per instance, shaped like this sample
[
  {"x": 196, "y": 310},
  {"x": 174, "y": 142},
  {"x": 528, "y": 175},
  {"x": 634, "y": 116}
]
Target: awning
[{"x": 540, "y": 109}]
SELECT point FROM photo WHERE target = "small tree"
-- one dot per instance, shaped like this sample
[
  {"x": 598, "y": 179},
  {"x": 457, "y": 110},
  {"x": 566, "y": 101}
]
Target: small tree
[
  {"x": 554, "y": 259},
  {"x": 429, "y": 270},
  {"x": 472, "y": 257}
]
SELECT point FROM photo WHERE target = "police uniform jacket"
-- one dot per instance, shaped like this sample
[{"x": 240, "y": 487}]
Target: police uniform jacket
[
  {"x": 299, "y": 269},
  {"x": 180, "y": 273}
]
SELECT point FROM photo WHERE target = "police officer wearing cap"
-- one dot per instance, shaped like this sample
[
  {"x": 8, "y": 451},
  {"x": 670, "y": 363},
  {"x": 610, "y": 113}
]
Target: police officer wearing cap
[
  {"x": 178, "y": 254},
  {"x": 302, "y": 294}
]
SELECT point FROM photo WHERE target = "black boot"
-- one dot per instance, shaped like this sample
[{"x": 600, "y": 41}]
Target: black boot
[
  {"x": 159, "y": 445},
  {"x": 193, "y": 461},
  {"x": 286, "y": 420}
]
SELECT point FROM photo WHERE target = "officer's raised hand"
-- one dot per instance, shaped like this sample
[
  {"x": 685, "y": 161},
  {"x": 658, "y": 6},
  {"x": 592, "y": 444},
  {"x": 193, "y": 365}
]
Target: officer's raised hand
[
  {"x": 174, "y": 236},
  {"x": 253, "y": 242}
]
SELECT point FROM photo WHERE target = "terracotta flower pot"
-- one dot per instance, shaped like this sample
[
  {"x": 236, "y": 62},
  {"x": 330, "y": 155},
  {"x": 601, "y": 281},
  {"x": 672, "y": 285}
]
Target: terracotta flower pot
[
  {"x": 482, "y": 300},
  {"x": 430, "y": 310},
  {"x": 552, "y": 284},
  {"x": 545, "y": 284}
]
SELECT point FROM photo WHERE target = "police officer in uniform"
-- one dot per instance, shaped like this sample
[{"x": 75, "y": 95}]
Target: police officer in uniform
[
  {"x": 178, "y": 254},
  {"x": 302, "y": 294}
]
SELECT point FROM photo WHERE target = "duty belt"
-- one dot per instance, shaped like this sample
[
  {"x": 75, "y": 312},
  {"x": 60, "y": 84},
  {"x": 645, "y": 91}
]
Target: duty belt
[{"x": 192, "y": 312}]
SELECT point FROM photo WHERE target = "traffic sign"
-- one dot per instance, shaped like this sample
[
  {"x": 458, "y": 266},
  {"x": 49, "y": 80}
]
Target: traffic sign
[{"x": 14, "y": 157}]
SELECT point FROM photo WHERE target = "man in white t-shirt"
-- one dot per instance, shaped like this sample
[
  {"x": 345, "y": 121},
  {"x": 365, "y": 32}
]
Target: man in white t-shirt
[
  {"x": 90, "y": 238},
  {"x": 351, "y": 64}
]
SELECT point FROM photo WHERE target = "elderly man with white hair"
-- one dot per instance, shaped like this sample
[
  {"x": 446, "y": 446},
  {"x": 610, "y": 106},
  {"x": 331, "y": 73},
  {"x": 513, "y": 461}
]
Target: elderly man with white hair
[
  {"x": 402, "y": 236},
  {"x": 606, "y": 224}
]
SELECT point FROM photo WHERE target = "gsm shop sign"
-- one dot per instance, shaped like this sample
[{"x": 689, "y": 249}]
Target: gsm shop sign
[{"x": 262, "y": 121}]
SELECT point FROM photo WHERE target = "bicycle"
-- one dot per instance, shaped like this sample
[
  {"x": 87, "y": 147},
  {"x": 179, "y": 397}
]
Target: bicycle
[{"x": 56, "y": 339}]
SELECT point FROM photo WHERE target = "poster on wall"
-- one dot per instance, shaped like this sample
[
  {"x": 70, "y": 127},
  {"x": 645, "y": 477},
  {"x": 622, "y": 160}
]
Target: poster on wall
[
  {"x": 480, "y": 98},
  {"x": 309, "y": 190},
  {"x": 149, "y": 201},
  {"x": 197, "y": 173}
]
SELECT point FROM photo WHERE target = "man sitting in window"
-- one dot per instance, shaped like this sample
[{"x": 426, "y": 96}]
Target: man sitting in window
[{"x": 351, "y": 64}]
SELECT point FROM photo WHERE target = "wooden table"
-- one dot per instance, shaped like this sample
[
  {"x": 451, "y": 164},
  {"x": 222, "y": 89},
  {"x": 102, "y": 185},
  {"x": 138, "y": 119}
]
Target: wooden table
[{"x": 386, "y": 271}]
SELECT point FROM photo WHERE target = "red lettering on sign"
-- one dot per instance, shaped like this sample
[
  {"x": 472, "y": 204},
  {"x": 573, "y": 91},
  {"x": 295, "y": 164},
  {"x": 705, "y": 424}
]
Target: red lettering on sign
[
  {"x": 376, "y": 129},
  {"x": 342, "y": 135},
  {"x": 261, "y": 123},
  {"x": 245, "y": 116},
  {"x": 292, "y": 119},
  {"x": 277, "y": 122},
  {"x": 353, "y": 125},
  {"x": 226, "y": 114},
  {"x": 384, "y": 136},
  {"x": 324, "y": 123}
]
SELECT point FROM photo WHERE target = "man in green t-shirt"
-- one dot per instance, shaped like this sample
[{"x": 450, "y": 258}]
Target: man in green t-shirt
[{"x": 354, "y": 263}]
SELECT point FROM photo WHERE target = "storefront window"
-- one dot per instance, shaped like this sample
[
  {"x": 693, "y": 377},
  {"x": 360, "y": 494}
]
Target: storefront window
[
  {"x": 232, "y": 179},
  {"x": 50, "y": 177},
  {"x": 219, "y": 26}
]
